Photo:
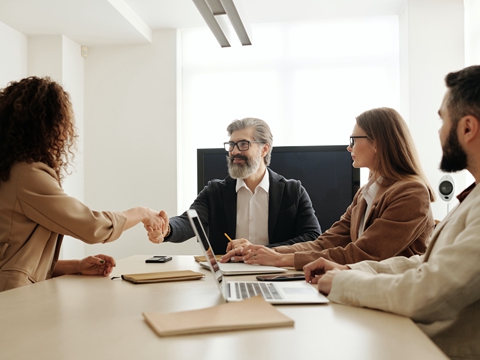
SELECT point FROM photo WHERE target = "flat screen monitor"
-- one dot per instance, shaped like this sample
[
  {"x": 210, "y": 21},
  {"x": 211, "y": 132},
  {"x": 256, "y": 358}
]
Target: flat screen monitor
[{"x": 326, "y": 172}]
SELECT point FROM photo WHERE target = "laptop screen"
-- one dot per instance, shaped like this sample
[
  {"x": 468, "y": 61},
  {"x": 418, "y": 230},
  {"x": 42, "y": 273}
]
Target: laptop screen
[{"x": 208, "y": 251}]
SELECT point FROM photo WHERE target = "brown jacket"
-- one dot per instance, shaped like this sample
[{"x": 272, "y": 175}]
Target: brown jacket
[
  {"x": 35, "y": 213},
  {"x": 399, "y": 224}
]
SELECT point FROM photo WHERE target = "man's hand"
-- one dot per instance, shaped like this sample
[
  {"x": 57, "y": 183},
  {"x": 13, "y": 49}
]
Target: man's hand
[
  {"x": 157, "y": 235},
  {"x": 322, "y": 272},
  {"x": 325, "y": 281}
]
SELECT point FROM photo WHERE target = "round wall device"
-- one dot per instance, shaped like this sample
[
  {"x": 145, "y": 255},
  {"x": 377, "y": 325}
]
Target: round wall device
[{"x": 446, "y": 188}]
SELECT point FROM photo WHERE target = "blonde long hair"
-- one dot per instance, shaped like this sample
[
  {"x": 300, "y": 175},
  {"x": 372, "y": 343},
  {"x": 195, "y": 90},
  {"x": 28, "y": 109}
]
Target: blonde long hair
[{"x": 396, "y": 157}]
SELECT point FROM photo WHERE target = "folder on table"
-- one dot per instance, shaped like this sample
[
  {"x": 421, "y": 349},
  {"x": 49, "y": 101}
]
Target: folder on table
[
  {"x": 164, "y": 276},
  {"x": 253, "y": 313}
]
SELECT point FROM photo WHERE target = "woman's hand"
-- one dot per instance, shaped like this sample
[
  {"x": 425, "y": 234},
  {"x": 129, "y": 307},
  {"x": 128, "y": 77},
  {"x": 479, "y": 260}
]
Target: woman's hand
[
  {"x": 96, "y": 265},
  {"x": 262, "y": 255},
  {"x": 156, "y": 221},
  {"x": 157, "y": 234},
  {"x": 235, "y": 254},
  {"x": 238, "y": 243},
  {"x": 258, "y": 254}
]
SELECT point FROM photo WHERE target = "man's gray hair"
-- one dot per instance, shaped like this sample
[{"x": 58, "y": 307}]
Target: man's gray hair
[{"x": 262, "y": 133}]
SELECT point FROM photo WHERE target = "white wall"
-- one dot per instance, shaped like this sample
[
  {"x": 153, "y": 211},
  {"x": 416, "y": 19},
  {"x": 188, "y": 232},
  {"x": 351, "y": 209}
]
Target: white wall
[
  {"x": 297, "y": 77},
  {"x": 130, "y": 135},
  {"x": 432, "y": 45},
  {"x": 472, "y": 32},
  {"x": 73, "y": 82},
  {"x": 13, "y": 58},
  {"x": 60, "y": 58}
]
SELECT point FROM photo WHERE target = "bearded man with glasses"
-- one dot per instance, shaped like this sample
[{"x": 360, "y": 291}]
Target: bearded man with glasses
[{"x": 253, "y": 205}]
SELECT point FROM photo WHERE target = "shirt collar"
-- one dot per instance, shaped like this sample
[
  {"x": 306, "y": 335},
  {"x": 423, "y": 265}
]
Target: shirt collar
[
  {"x": 370, "y": 190},
  {"x": 465, "y": 192},
  {"x": 264, "y": 184}
]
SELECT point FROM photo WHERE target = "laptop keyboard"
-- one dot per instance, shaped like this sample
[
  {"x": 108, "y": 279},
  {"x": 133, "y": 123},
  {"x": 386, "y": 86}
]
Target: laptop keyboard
[{"x": 245, "y": 290}]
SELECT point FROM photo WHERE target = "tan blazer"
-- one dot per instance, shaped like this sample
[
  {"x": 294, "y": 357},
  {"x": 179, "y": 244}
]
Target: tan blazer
[
  {"x": 440, "y": 290},
  {"x": 35, "y": 213},
  {"x": 399, "y": 223}
]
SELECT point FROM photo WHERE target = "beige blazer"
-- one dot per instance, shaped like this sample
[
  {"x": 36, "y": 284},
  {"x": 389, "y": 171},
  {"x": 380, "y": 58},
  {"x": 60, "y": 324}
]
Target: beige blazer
[
  {"x": 439, "y": 290},
  {"x": 35, "y": 213},
  {"x": 399, "y": 223}
]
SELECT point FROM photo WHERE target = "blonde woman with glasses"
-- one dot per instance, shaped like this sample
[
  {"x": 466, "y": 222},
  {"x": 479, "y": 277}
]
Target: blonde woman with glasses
[{"x": 389, "y": 216}]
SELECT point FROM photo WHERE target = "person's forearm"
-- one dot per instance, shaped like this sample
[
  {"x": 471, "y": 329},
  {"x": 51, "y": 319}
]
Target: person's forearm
[
  {"x": 286, "y": 260},
  {"x": 134, "y": 216},
  {"x": 66, "y": 267}
]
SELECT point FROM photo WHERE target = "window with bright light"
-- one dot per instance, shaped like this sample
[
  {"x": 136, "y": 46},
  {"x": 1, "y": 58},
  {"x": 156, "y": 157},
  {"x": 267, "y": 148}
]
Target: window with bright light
[{"x": 307, "y": 80}]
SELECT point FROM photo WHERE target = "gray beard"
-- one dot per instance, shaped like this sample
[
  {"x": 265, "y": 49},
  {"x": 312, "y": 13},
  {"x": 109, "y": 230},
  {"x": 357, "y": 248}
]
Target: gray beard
[{"x": 243, "y": 171}]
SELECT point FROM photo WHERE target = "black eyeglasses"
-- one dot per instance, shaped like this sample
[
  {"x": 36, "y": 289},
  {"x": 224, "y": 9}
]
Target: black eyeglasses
[
  {"x": 352, "y": 139},
  {"x": 242, "y": 145}
]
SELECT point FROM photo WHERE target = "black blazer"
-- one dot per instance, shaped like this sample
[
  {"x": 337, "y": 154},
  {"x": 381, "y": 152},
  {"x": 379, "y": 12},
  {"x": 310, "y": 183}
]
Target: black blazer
[{"x": 291, "y": 218}]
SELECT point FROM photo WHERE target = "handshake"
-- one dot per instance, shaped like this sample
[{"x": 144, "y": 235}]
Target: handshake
[{"x": 157, "y": 226}]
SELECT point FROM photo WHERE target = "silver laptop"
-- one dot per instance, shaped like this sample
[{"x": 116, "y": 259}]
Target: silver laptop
[
  {"x": 244, "y": 269},
  {"x": 276, "y": 293}
]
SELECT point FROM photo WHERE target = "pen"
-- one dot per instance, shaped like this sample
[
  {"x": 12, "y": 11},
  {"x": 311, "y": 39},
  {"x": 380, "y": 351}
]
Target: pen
[{"x": 228, "y": 237}]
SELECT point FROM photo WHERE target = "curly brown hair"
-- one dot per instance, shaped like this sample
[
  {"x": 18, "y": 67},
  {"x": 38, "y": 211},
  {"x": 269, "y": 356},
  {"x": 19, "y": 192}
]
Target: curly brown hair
[{"x": 36, "y": 125}]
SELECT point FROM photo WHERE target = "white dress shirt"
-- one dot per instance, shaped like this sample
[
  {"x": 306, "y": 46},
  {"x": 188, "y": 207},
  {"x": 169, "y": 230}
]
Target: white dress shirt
[{"x": 252, "y": 211}]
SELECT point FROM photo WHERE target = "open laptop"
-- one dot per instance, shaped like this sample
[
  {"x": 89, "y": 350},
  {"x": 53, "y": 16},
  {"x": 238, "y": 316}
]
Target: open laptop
[
  {"x": 244, "y": 269},
  {"x": 276, "y": 293}
]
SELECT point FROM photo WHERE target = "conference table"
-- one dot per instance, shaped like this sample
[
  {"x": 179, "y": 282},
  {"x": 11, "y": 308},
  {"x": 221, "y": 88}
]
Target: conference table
[{"x": 93, "y": 317}]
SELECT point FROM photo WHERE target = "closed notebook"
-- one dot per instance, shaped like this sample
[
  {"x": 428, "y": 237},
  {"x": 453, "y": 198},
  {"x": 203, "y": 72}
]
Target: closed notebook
[
  {"x": 252, "y": 313},
  {"x": 203, "y": 258},
  {"x": 163, "y": 276}
]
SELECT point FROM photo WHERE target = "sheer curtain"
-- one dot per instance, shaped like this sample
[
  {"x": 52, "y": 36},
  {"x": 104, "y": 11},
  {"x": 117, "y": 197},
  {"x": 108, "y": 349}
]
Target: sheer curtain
[{"x": 307, "y": 80}]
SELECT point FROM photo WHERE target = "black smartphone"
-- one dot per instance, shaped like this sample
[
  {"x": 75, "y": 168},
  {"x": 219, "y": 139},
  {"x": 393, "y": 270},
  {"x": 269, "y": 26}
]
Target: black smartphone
[
  {"x": 159, "y": 259},
  {"x": 284, "y": 277}
]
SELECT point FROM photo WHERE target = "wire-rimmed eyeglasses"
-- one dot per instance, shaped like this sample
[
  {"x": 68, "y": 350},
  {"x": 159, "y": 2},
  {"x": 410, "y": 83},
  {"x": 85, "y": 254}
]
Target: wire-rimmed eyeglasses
[
  {"x": 242, "y": 145},
  {"x": 352, "y": 139}
]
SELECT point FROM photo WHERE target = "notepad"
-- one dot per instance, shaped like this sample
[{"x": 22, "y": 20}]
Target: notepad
[
  {"x": 253, "y": 313},
  {"x": 164, "y": 276},
  {"x": 202, "y": 258}
]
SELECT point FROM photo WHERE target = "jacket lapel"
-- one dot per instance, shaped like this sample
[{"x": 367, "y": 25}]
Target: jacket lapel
[
  {"x": 382, "y": 188},
  {"x": 359, "y": 209},
  {"x": 229, "y": 196},
  {"x": 275, "y": 195}
]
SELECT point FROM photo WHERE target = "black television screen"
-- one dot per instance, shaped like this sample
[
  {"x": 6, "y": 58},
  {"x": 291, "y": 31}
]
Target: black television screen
[{"x": 326, "y": 172}]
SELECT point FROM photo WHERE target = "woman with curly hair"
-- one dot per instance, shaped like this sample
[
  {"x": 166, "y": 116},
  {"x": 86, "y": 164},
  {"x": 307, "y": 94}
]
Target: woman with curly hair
[{"x": 37, "y": 138}]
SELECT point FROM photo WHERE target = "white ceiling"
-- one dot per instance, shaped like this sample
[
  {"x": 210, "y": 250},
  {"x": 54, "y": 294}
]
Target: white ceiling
[{"x": 101, "y": 22}]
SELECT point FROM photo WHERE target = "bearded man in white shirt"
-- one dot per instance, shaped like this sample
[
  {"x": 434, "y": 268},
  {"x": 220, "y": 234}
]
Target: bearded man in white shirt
[{"x": 440, "y": 290}]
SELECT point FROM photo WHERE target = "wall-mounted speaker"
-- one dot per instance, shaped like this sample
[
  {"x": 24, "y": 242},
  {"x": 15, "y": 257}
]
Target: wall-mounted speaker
[{"x": 446, "y": 188}]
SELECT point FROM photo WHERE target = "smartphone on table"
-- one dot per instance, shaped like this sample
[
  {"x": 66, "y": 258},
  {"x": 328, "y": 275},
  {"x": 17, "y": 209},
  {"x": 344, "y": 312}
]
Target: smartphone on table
[
  {"x": 284, "y": 277},
  {"x": 159, "y": 259}
]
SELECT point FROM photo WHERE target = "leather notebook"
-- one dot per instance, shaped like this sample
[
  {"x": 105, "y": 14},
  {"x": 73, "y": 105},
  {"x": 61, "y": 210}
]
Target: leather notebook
[
  {"x": 202, "y": 258},
  {"x": 164, "y": 276}
]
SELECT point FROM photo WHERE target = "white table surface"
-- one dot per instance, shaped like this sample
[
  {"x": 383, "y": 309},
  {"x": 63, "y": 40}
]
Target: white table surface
[{"x": 83, "y": 317}]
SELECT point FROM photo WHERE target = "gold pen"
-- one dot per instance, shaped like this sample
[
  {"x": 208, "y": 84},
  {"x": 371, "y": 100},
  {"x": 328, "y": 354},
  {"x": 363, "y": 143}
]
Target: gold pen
[{"x": 228, "y": 237}]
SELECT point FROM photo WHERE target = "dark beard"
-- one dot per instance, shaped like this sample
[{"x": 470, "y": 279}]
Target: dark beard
[{"x": 454, "y": 157}]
